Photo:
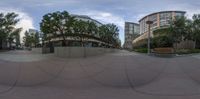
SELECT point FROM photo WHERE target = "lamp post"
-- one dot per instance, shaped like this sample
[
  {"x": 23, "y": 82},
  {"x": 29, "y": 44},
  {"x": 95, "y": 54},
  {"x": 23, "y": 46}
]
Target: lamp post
[{"x": 149, "y": 26}]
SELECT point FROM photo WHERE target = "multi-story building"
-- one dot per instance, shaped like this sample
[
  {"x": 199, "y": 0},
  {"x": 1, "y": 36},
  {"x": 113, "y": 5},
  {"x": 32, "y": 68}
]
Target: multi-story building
[
  {"x": 160, "y": 19},
  {"x": 75, "y": 41},
  {"x": 32, "y": 31},
  {"x": 86, "y": 18},
  {"x": 132, "y": 31}
]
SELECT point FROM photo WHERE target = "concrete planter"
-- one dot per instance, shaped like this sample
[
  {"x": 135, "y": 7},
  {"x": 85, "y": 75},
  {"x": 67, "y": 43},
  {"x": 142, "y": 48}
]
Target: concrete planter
[
  {"x": 78, "y": 52},
  {"x": 40, "y": 50},
  {"x": 36, "y": 50}
]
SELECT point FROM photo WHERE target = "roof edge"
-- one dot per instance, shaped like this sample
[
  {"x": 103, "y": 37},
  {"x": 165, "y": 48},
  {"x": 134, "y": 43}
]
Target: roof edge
[{"x": 161, "y": 12}]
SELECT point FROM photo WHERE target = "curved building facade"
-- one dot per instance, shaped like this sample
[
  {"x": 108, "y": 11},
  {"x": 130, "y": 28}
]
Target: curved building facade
[
  {"x": 160, "y": 19},
  {"x": 86, "y": 18},
  {"x": 75, "y": 41}
]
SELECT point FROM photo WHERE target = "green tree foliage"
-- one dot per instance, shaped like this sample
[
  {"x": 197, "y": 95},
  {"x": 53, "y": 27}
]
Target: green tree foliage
[
  {"x": 161, "y": 32},
  {"x": 196, "y": 29},
  {"x": 62, "y": 24},
  {"x": 36, "y": 39},
  {"x": 162, "y": 41},
  {"x": 26, "y": 39},
  {"x": 110, "y": 33},
  {"x": 180, "y": 29},
  {"x": 81, "y": 30},
  {"x": 8, "y": 31},
  {"x": 31, "y": 39},
  {"x": 177, "y": 29},
  {"x": 162, "y": 38},
  {"x": 57, "y": 24}
]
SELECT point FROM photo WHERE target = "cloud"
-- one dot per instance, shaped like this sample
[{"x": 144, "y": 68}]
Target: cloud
[
  {"x": 189, "y": 8},
  {"x": 52, "y": 3},
  {"x": 26, "y": 22},
  {"x": 106, "y": 17},
  {"x": 105, "y": 11}
]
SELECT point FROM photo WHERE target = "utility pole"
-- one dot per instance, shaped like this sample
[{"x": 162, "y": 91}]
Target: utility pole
[{"x": 149, "y": 31}]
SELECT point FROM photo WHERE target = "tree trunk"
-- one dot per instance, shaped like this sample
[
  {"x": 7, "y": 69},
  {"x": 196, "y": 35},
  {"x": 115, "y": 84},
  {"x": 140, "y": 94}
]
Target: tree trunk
[
  {"x": 176, "y": 45},
  {"x": 10, "y": 45},
  {"x": 82, "y": 44},
  {"x": 64, "y": 40},
  {"x": 1, "y": 44}
]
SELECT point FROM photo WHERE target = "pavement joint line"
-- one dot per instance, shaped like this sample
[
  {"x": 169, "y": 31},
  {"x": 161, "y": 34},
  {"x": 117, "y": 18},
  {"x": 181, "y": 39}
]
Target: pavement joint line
[
  {"x": 14, "y": 84},
  {"x": 124, "y": 57},
  {"x": 133, "y": 87}
]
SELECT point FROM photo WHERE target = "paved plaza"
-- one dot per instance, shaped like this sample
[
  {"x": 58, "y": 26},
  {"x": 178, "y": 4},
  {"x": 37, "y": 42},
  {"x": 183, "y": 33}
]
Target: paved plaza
[{"x": 119, "y": 75}]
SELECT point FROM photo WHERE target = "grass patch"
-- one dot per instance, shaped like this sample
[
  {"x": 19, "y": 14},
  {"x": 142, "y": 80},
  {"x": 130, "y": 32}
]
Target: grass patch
[
  {"x": 187, "y": 51},
  {"x": 141, "y": 50},
  {"x": 180, "y": 51}
]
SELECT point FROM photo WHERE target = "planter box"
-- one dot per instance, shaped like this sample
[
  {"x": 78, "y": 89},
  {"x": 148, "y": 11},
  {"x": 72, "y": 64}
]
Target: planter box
[
  {"x": 40, "y": 50},
  {"x": 164, "y": 50},
  {"x": 78, "y": 52}
]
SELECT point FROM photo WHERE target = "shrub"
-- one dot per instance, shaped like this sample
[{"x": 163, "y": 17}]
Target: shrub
[
  {"x": 161, "y": 41},
  {"x": 187, "y": 51},
  {"x": 141, "y": 50}
]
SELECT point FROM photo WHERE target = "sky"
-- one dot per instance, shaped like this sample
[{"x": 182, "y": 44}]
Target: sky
[{"x": 106, "y": 11}]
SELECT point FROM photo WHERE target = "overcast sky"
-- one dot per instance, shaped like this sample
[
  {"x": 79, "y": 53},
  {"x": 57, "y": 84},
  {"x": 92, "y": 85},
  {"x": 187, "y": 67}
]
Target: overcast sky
[{"x": 105, "y": 11}]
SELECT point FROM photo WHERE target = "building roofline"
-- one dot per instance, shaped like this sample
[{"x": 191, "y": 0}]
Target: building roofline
[
  {"x": 160, "y": 12},
  {"x": 132, "y": 23},
  {"x": 85, "y": 16}
]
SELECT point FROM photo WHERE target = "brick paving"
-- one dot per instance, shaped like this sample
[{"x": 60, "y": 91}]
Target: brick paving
[{"x": 128, "y": 75}]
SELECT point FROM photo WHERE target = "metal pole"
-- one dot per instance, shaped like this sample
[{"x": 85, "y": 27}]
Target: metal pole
[
  {"x": 149, "y": 40},
  {"x": 149, "y": 30}
]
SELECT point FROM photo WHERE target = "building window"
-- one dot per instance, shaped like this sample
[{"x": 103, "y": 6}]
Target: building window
[{"x": 165, "y": 18}]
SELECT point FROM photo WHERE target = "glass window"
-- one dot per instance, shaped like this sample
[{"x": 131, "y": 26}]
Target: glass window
[
  {"x": 179, "y": 14},
  {"x": 165, "y": 18}
]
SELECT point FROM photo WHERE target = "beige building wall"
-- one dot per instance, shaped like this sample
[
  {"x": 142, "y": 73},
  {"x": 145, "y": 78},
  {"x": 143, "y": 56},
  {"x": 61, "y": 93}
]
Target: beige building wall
[
  {"x": 158, "y": 14},
  {"x": 158, "y": 20}
]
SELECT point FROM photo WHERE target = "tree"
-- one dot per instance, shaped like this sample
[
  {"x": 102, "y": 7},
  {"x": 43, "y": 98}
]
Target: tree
[
  {"x": 26, "y": 39},
  {"x": 8, "y": 31},
  {"x": 196, "y": 29},
  {"x": 92, "y": 29},
  {"x": 84, "y": 30},
  {"x": 81, "y": 30},
  {"x": 103, "y": 30},
  {"x": 113, "y": 34},
  {"x": 189, "y": 30},
  {"x": 162, "y": 41},
  {"x": 31, "y": 39},
  {"x": 177, "y": 29},
  {"x": 61, "y": 24},
  {"x": 57, "y": 24},
  {"x": 36, "y": 39},
  {"x": 15, "y": 35},
  {"x": 109, "y": 33},
  {"x": 162, "y": 38}
]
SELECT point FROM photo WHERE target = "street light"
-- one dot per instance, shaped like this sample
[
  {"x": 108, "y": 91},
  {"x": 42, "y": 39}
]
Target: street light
[{"x": 149, "y": 23}]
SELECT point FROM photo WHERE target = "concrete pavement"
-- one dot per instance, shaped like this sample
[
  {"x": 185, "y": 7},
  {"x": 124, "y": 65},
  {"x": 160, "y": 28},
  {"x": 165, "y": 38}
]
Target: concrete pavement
[{"x": 128, "y": 75}]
